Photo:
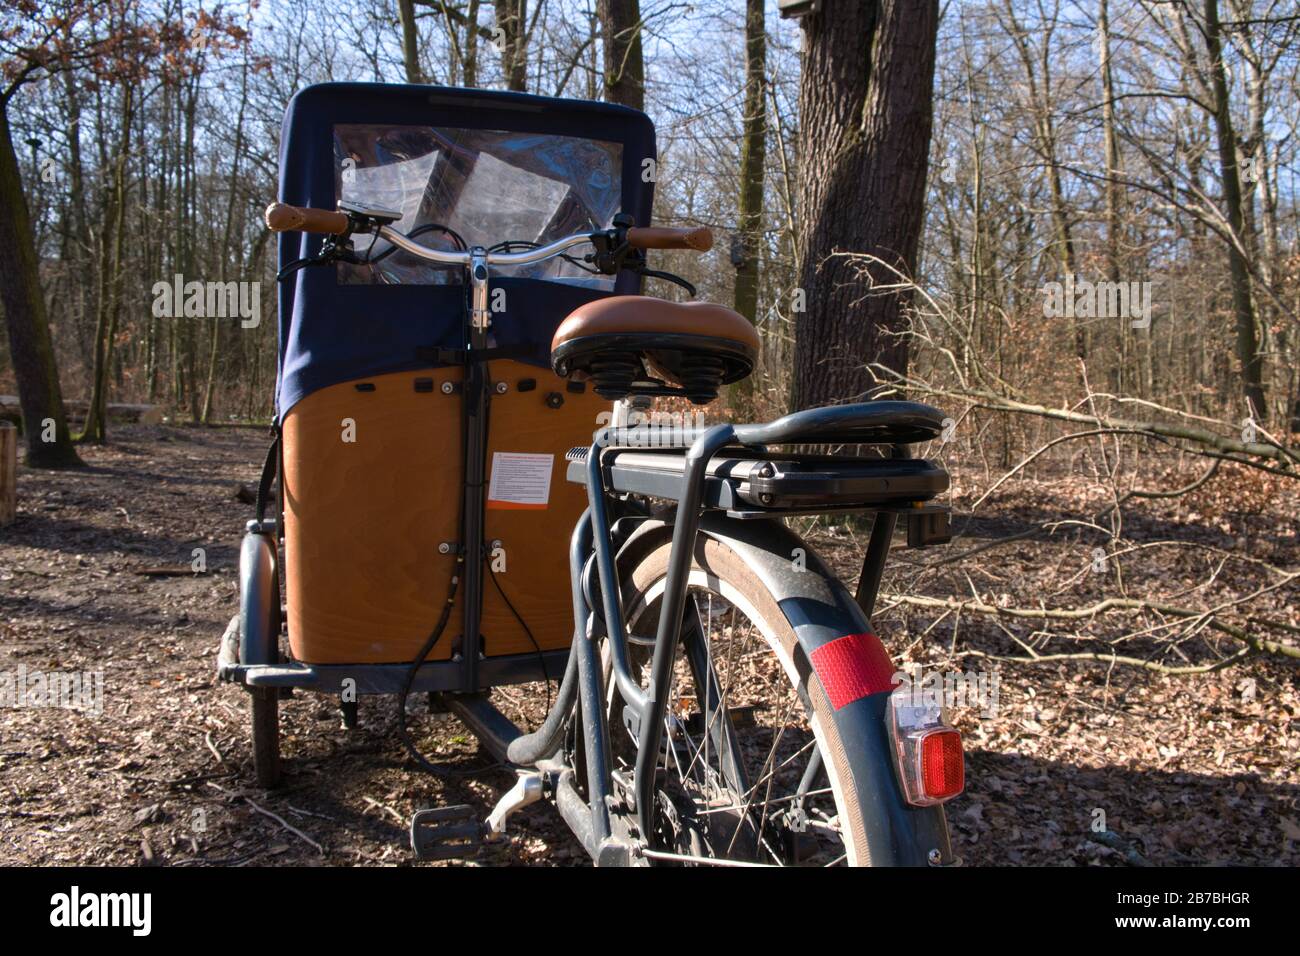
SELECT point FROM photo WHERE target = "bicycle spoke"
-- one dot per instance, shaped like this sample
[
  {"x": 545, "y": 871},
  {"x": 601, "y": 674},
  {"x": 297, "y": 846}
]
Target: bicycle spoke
[
  {"x": 740, "y": 791},
  {"x": 748, "y": 803}
]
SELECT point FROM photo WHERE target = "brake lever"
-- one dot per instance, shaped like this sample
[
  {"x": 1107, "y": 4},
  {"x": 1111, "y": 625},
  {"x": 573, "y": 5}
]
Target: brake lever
[
  {"x": 613, "y": 254},
  {"x": 334, "y": 249}
]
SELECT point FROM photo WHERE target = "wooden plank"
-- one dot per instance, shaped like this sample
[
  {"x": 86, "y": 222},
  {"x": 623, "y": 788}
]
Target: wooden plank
[
  {"x": 139, "y": 414},
  {"x": 363, "y": 518},
  {"x": 8, "y": 474},
  {"x": 536, "y": 542}
]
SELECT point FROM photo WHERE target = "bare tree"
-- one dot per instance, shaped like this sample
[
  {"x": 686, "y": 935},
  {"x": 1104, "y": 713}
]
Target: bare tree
[
  {"x": 512, "y": 41},
  {"x": 753, "y": 158},
  {"x": 865, "y": 106},
  {"x": 1243, "y": 306},
  {"x": 410, "y": 41},
  {"x": 624, "y": 63}
]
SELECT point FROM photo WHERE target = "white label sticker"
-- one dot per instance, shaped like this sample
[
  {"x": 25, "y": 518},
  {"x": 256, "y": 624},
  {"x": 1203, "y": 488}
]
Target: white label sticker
[{"x": 520, "y": 480}]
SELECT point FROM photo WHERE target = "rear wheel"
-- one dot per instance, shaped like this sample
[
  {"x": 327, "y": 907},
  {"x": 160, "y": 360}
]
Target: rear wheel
[{"x": 751, "y": 772}]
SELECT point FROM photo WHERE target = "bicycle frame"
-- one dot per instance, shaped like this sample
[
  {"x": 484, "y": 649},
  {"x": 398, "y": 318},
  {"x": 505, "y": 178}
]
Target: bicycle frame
[
  {"x": 477, "y": 388},
  {"x": 896, "y": 833},
  {"x": 594, "y": 539}
]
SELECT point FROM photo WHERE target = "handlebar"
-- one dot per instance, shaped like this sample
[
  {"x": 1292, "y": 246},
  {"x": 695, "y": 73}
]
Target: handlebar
[
  {"x": 664, "y": 237},
  {"x": 449, "y": 257},
  {"x": 281, "y": 217}
]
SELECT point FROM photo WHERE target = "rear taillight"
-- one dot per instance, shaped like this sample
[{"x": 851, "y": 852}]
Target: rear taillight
[{"x": 927, "y": 751}]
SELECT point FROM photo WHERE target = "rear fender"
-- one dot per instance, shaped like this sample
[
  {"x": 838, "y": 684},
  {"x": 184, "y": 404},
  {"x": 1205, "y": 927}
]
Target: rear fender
[{"x": 821, "y": 610}]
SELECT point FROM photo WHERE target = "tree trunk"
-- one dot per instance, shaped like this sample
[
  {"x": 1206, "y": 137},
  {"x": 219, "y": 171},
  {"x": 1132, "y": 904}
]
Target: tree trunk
[
  {"x": 1111, "y": 146},
  {"x": 410, "y": 41},
  {"x": 1040, "y": 98},
  {"x": 512, "y": 21},
  {"x": 624, "y": 64},
  {"x": 865, "y": 101},
  {"x": 30, "y": 347},
  {"x": 76, "y": 214},
  {"x": 470, "y": 66},
  {"x": 1252, "y": 363},
  {"x": 111, "y": 275},
  {"x": 227, "y": 238},
  {"x": 187, "y": 244},
  {"x": 749, "y": 219},
  {"x": 8, "y": 474}
]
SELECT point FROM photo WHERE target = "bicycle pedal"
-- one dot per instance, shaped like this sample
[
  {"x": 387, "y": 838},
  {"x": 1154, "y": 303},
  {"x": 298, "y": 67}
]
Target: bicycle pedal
[{"x": 446, "y": 833}]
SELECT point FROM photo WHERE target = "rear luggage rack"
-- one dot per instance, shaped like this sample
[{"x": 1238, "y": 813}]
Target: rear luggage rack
[
  {"x": 866, "y": 423},
  {"x": 740, "y": 472},
  {"x": 747, "y": 481}
]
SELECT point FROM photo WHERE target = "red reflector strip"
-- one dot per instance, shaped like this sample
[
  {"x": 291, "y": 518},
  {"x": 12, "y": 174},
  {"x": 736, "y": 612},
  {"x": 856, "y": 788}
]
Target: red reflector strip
[
  {"x": 851, "y": 667},
  {"x": 943, "y": 772}
]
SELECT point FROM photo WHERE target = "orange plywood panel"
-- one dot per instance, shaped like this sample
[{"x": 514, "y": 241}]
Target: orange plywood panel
[
  {"x": 364, "y": 517},
  {"x": 535, "y": 540}
]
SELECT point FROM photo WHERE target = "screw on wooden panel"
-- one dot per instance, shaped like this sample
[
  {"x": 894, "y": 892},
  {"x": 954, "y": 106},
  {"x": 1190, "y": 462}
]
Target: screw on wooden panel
[{"x": 554, "y": 399}]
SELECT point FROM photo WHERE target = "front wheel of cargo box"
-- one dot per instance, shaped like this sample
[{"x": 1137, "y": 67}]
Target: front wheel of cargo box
[{"x": 264, "y": 708}]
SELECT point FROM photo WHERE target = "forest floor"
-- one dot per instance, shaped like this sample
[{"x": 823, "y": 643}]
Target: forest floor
[{"x": 1198, "y": 769}]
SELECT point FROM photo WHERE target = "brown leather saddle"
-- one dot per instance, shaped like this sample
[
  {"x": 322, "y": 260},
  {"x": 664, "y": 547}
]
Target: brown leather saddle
[{"x": 639, "y": 344}]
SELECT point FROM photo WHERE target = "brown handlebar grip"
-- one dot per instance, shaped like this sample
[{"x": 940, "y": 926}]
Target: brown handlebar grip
[
  {"x": 663, "y": 237},
  {"x": 283, "y": 218}
]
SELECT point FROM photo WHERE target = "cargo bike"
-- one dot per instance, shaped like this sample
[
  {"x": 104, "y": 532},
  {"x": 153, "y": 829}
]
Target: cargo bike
[{"x": 468, "y": 490}]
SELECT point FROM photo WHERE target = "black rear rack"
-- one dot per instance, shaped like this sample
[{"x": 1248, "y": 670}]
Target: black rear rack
[
  {"x": 747, "y": 479},
  {"x": 759, "y": 480}
]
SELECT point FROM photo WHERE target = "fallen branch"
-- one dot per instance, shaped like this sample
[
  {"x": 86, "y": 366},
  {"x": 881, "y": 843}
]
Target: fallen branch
[
  {"x": 1208, "y": 443},
  {"x": 1258, "y": 644},
  {"x": 1100, "y": 658},
  {"x": 386, "y": 808},
  {"x": 287, "y": 825},
  {"x": 207, "y": 739}
]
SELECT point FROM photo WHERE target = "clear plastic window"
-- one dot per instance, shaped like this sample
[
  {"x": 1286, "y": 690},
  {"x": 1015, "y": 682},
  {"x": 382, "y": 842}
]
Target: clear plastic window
[{"x": 489, "y": 186}]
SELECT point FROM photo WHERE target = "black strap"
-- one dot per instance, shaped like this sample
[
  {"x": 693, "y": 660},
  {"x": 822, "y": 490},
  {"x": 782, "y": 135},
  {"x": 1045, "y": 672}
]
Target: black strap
[
  {"x": 443, "y": 356},
  {"x": 269, "y": 468}
]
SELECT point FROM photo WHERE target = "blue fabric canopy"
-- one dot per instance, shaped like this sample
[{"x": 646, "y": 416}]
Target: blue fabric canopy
[{"x": 333, "y": 331}]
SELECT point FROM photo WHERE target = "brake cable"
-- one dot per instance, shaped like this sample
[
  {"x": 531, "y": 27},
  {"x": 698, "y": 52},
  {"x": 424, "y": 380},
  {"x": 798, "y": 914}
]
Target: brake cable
[
  {"x": 676, "y": 279},
  {"x": 337, "y": 249}
]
